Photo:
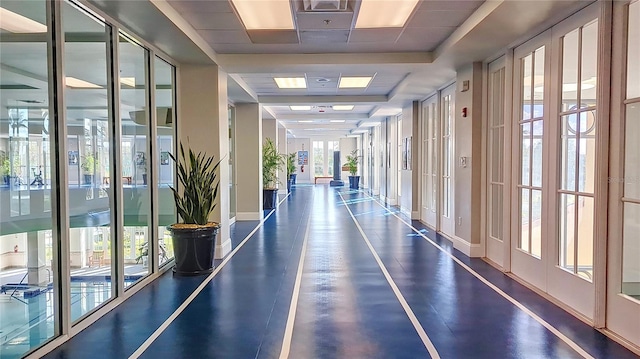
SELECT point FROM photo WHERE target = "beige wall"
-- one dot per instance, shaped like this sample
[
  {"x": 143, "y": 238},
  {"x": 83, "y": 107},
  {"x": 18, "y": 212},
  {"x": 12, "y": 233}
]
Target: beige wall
[
  {"x": 204, "y": 126},
  {"x": 249, "y": 161},
  {"x": 468, "y": 140}
]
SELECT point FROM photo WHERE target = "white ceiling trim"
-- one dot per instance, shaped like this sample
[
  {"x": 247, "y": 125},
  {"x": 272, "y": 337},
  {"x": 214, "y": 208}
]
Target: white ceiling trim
[
  {"x": 172, "y": 14},
  {"x": 314, "y": 100},
  {"x": 472, "y": 21},
  {"x": 244, "y": 86},
  {"x": 260, "y": 63}
]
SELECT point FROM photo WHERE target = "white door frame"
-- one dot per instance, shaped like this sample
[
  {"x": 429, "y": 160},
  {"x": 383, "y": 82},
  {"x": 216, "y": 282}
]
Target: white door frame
[{"x": 430, "y": 126}]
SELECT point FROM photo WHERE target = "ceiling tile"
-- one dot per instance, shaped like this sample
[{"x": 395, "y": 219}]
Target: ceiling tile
[
  {"x": 427, "y": 38},
  {"x": 438, "y": 19},
  {"x": 375, "y": 35},
  {"x": 273, "y": 36},
  {"x": 324, "y": 37},
  {"x": 214, "y": 21},
  {"x": 196, "y": 6},
  {"x": 225, "y": 37}
]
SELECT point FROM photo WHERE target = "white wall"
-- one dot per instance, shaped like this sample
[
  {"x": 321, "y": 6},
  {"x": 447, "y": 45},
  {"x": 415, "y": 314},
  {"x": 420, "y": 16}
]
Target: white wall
[
  {"x": 347, "y": 145},
  {"x": 410, "y": 180}
]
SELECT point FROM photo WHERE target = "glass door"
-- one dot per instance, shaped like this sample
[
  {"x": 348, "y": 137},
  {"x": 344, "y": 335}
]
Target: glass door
[
  {"x": 623, "y": 289},
  {"x": 531, "y": 79},
  {"x": 573, "y": 169},
  {"x": 495, "y": 163},
  {"x": 429, "y": 208},
  {"x": 447, "y": 212}
]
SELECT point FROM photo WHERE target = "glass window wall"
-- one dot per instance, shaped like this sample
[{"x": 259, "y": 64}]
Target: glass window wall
[{"x": 27, "y": 274}]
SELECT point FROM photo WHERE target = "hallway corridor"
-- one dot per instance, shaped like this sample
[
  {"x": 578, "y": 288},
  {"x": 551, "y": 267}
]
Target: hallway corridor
[{"x": 334, "y": 274}]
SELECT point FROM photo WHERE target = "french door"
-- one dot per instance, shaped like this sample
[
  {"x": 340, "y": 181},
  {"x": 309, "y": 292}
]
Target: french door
[
  {"x": 447, "y": 154},
  {"x": 555, "y": 129},
  {"x": 496, "y": 173},
  {"x": 429, "y": 126},
  {"x": 623, "y": 274}
]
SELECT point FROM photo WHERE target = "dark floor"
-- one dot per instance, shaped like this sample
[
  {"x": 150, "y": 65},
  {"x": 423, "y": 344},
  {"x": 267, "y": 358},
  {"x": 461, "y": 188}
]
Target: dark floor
[{"x": 385, "y": 292}]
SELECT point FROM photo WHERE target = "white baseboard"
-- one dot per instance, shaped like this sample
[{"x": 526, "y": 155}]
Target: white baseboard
[
  {"x": 473, "y": 250},
  {"x": 415, "y": 215},
  {"x": 249, "y": 216},
  {"x": 222, "y": 249}
]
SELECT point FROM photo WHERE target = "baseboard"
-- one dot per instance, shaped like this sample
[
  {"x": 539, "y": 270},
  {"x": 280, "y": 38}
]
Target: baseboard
[
  {"x": 248, "y": 216},
  {"x": 224, "y": 248},
  {"x": 415, "y": 215},
  {"x": 473, "y": 250}
]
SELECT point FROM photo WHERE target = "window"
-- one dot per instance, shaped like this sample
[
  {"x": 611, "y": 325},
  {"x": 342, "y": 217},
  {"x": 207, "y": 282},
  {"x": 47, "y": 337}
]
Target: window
[{"x": 318, "y": 158}]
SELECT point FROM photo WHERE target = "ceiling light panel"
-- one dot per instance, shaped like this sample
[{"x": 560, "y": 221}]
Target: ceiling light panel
[
  {"x": 265, "y": 14},
  {"x": 347, "y": 82},
  {"x": 300, "y": 108},
  {"x": 305, "y": 121},
  {"x": 342, "y": 107},
  {"x": 384, "y": 13},
  {"x": 337, "y": 121},
  {"x": 17, "y": 23},
  {"x": 291, "y": 82},
  {"x": 128, "y": 81}
]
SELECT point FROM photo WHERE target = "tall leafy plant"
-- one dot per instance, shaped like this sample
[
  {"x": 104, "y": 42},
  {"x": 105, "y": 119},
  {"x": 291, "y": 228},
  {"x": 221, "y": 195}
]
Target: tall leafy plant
[
  {"x": 197, "y": 173},
  {"x": 291, "y": 163},
  {"x": 272, "y": 161},
  {"x": 352, "y": 162}
]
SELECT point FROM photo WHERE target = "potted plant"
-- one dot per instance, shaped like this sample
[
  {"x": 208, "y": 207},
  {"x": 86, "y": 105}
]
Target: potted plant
[
  {"x": 5, "y": 168},
  {"x": 271, "y": 162},
  {"x": 352, "y": 164},
  {"x": 88, "y": 166},
  {"x": 141, "y": 163},
  {"x": 291, "y": 170},
  {"x": 194, "y": 239}
]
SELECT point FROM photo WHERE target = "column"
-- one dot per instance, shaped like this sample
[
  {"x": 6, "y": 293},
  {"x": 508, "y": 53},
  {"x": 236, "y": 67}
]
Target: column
[
  {"x": 36, "y": 259},
  {"x": 282, "y": 149},
  {"x": 203, "y": 125},
  {"x": 249, "y": 161}
]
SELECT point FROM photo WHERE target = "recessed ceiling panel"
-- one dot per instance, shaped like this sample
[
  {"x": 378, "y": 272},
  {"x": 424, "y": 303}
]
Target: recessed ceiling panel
[
  {"x": 324, "y": 20},
  {"x": 199, "y": 6}
]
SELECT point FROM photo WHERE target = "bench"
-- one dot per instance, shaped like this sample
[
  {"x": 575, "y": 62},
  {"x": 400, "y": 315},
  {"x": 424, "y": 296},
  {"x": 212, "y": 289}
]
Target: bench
[{"x": 316, "y": 178}]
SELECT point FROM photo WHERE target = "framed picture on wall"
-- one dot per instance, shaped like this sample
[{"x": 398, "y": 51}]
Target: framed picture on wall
[
  {"x": 303, "y": 158},
  {"x": 164, "y": 158},
  {"x": 409, "y": 152},
  {"x": 404, "y": 153},
  {"x": 73, "y": 157}
]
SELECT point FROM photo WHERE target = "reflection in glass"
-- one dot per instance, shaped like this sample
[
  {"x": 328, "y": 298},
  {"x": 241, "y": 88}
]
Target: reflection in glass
[
  {"x": 632, "y": 152},
  {"x": 90, "y": 234},
  {"x": 27, "y": 278},
  {"x": 630, "y": 249},
  {"x": 525, "y": 222},
  {"x": 164, "y": 77},
  {"x": 633, "y": 51},
  {"x": 578, "y": 157},
  {"x": 135, "y": 159},
  {"x": 318, "y": 158}
]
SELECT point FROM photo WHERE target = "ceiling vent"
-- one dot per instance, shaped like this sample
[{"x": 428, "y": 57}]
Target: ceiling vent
[{"x": 325, "y": 5}]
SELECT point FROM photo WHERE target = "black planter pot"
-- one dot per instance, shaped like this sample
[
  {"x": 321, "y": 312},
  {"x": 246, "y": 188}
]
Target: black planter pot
[
  {"x": 269, "y": 198},
  {"x": 88, "y": 179},
  {"x": 292, "y": 177},
  {"x": 289, "y": 182},
  {"x": 6, "y": 180},
  {"x": 144, "y": 178},
  {"x": 194, "y": 250},
  {"x": 354, "y": 182}
]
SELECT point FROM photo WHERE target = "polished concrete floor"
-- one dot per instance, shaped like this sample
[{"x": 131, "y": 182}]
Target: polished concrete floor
[{"x": 334, "y": 274}]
